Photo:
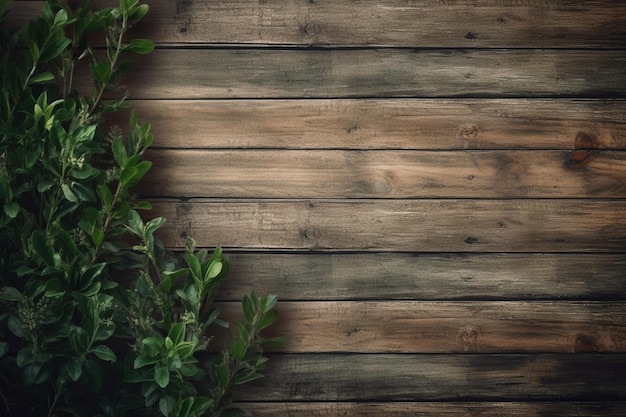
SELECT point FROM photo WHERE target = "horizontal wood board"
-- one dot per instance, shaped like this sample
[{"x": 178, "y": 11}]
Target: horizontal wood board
[
  {"x": 198, "y": 73},
  {"x": 366, "y": 23},
  {"x": 448, "y": 327},
  {"x": 466, "y": 225},
  {"x": 433, "y": 189},
  {"x": 419, "y": 124}
]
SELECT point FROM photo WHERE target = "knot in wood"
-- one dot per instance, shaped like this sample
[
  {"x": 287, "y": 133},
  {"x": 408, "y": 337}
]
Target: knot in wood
[
  {"x": 577, "y": 159},
  {"x": 470, "y": 336},
  {"x": 469, "y": 132},
  {"x": 584, "y": 343},
  {"x": 311, "y": 29},
  {"x": 584, "y": 140}
]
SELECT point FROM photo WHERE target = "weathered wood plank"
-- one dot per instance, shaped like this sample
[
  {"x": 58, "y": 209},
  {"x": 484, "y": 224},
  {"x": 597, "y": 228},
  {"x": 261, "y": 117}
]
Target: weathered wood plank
[
  {"x": 400, "y": 276},
  {"x": 314, "y": 73},
  {"x": 426, "y": 377},
  {"x": 484, "y": 23},
  {"x": 452, "y": 23},
  {"x": 385, "y": 174},
  {"x": 447, "y": 327},
  {"x": 385, "y": 124},
  {"x": 435, "y": 409},
  {"x": 399, "y": 225}
]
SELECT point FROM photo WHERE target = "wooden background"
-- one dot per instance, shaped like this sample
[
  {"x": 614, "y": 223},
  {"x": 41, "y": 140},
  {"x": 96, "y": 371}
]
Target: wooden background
[{"x": 434, "y": 189}]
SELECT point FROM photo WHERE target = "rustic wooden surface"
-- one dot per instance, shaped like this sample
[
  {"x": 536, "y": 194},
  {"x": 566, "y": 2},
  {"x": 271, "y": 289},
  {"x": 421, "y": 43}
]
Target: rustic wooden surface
[{"x": 434, "y": 189}]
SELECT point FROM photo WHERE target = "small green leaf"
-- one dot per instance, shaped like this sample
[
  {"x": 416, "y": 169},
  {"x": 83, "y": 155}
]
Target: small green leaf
[
  {"x": 68, "y": 194},
  {"x": 248, "y": 309},
  {"x": 12, "y": 209},
  {"x": 140, "y": 46},
  {"x": 267, "y": 320},
  {"x": 60, "y": 18},
  {"x": 119, "y": 152},
  {"x": 138, "y": 13},
  {"x": 215, "y": 268},
  {"x": 247, "y": 378},
  {"x": 238, "y": 349},
  {"x": 177, "y": 333},
  {"x": 101, "y": 72}
]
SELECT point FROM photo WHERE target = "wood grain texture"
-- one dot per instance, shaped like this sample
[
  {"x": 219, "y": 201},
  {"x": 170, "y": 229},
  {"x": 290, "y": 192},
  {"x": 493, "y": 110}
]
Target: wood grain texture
[
  {"x": 385, "y": 174},
  {"x": 460, "y": 23},
  {"x": 427, "y": 377},
  {"x": 398, "y": 225},
  {"x": 436, "y": 409},
  {"x": 409, "y": 276},
  {"x": 447, "y": 327},
  {"x": 385, "y": 124},
  {"x": 449, "y": 24},
  {"x": 350, "y": 73}
]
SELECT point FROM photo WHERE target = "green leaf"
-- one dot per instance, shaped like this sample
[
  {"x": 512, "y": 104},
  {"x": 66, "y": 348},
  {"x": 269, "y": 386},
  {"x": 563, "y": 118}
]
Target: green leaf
[
  {"x": 60, "y": 18},
  {"x": 106, "y": 195},
  {"x": 200, "y": 405},
  {"x": 177, "y": 333},
  {"x": 184, "y": 407},
  {"x": 138, "y": 13},
  {"x": 238, "y": 349},
  {"x": 12, "y": 209},
  {"x": 248, "y": 309},
  {"x": 104, "y": 352},
  {"x": 275, "y": 342},
  {"x": 101, "y": 72},
  {"x": 247, "y": 378},
  {"x": 142, "y": 360},
  {"x": 119, "y": 152},
  {"x": 42, "y": 78},
  {"x": 195, "y": 267},
  {"x": 185, "y": 349},
  {"x": 140, "y": 46},
  {"x": 166, "y": 405},
  {"x": 54, "y": 49},
  {"x": 30, "y": 373},
  {"x": 4, "y": 348},
  {"x": 68, "y": 194},
  {"x": 79, "y": 340},
  {"x": 45, "y": 185},
  {"x": 41, "y": 248},
  {"x": 222, "y": 374},
  {"x": 267, "y": 320},
  {"x": 162, "y": 376},
  {"x": 153, "y": 345},
  {"x": 15, "y": 326},
  {"x": 215, "y": 268},
  {"x": 74, "y": 369}
]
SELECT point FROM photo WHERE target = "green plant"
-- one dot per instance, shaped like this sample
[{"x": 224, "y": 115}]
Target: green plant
[{"x": 96, "y": 317}]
